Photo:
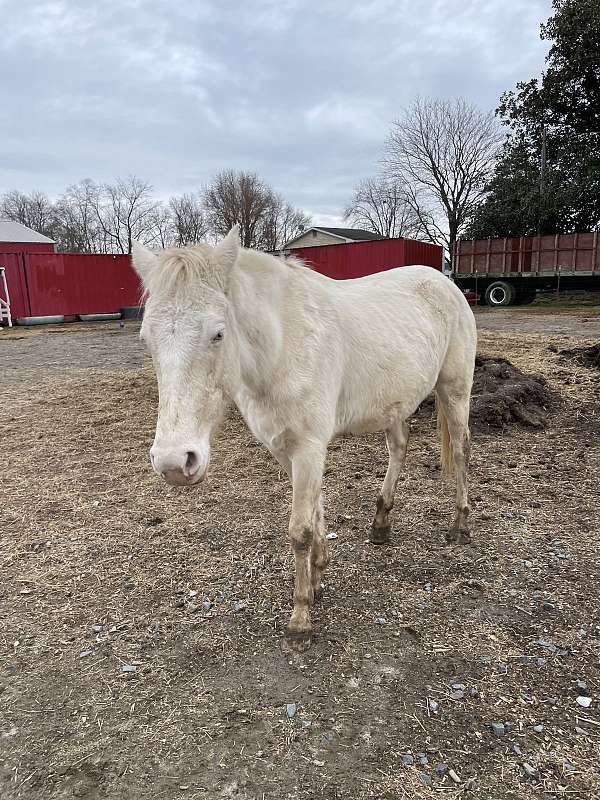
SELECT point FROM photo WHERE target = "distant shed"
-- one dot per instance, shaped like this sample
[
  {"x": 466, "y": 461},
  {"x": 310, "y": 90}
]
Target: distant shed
[{"x": 17, "y": 238}]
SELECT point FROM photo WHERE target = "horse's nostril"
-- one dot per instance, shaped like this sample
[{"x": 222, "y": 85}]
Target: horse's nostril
[{"x": 191, "y": 462}]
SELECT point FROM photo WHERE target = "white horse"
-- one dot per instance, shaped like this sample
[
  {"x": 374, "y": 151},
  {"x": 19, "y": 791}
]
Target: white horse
[{"x": 304, "y": 358}]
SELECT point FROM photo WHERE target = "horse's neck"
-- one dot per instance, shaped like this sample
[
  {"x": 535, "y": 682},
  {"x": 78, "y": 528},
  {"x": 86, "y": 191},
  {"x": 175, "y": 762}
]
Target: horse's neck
[{"x": 255, "y": 294}]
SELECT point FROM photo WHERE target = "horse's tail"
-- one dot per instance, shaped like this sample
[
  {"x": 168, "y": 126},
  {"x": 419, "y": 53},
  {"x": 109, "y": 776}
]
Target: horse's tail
[{"x": 445, "y": 441}]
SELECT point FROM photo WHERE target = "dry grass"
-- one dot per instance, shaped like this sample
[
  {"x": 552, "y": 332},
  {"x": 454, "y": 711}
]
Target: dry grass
[{"x": 90, "y": 538}]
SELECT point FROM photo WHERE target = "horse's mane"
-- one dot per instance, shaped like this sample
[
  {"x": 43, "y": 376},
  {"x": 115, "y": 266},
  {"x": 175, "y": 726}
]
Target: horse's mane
[
  {"x": 180, "y": 269},
  {"x": 294, "y": 262}
]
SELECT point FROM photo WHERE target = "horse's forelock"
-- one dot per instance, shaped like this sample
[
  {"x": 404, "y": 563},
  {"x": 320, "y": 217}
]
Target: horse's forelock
[{"x": 182, "y": 269}]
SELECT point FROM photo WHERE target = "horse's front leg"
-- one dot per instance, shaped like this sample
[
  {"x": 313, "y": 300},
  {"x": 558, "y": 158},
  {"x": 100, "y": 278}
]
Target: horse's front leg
[
  {"x": 307, "y": 474},
  {"x": 319, "y": 554},
  {"x": 319, "y": 558}
]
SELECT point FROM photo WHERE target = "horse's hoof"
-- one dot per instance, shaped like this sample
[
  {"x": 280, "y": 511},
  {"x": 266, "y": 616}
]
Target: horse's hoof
[
  {"x": 298, "y": 640},
  {"x": 458, "y": 536},
  {"x": 380, "y": 535}
]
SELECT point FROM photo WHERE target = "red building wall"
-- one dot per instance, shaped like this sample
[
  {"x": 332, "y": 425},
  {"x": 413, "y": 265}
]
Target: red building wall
[
  {"x": 17, "y": 286},
  {"x": 355, "y": 260},
  {"x": 26, "y": 247},
  {"x": 80, "y": 283},
  {"x": 48, "y": 283}
]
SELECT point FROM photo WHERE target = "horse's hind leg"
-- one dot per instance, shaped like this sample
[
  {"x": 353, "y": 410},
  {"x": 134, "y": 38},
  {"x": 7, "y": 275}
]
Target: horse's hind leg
[
  {"x": 397, "y": 441},
  {"x": 455, "y": 409}
]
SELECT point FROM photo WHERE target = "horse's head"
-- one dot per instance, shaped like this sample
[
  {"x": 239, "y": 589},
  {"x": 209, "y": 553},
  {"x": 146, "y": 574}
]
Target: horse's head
[{"x": 185, "y": 330}]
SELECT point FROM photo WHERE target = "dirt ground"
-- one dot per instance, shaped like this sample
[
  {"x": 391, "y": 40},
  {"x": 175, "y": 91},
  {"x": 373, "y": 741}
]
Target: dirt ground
[
  {"x": 580, "y": 322},
  {"x": 141, "y": 625}
]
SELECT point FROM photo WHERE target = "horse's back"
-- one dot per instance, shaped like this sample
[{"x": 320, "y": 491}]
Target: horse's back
[
  {"x": 396, "y": 329},
  {"x": 411, "y": 301},
  {"x": 415, "y": 280}
]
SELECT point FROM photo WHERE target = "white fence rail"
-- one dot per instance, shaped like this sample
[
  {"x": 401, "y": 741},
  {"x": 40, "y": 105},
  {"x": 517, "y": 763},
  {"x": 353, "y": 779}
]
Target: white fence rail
[{"x": 4, "y": 299}]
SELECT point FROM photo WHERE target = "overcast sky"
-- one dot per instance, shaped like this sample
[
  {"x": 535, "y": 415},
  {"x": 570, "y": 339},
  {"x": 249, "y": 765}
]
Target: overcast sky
[{"x": 301, "y": 93}]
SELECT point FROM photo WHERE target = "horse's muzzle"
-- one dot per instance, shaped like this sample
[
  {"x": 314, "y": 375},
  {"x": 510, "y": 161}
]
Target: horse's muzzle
[
  {"x": 175, "y": 477},
  {"x": 179, "y": 467}
]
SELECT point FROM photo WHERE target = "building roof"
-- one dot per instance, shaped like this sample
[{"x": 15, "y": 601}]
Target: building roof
[
  {"x": 15, "y": 232},
  {"x": 357, "y": 234},
  {"x": 354, "y": 234}
]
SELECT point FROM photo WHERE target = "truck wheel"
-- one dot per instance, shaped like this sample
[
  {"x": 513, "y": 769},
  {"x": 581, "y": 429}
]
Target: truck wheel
[{"x": 500, "y": 293}]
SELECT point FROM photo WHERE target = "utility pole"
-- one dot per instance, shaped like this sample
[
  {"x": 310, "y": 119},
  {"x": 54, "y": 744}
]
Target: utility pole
[{"x": 542, "y": 203}]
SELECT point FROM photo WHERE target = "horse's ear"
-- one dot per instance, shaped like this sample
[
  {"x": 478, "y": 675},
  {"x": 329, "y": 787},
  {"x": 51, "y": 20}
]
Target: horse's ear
[
  {"x": 226, "y": 252},
  {"x": 144, "y": 261}
]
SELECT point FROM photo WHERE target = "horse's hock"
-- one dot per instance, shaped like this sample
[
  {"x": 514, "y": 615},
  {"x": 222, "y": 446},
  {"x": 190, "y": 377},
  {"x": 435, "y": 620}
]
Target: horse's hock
[{"x": 502, "y": 395}]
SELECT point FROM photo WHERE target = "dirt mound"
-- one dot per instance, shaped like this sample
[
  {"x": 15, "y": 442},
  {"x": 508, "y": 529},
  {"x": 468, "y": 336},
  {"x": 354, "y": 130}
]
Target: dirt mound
[
  {"x": 586, "y": 356},
  {"x": 502, "y": 395}
]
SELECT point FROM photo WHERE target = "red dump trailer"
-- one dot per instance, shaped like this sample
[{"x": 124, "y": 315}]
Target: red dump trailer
[
  {"x": 504, "y": 272},
  {"x": 355, "y": 260}
]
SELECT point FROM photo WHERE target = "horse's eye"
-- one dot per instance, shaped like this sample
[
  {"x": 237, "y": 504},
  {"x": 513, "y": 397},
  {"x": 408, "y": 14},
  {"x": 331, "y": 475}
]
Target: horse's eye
[{"x": 218, "y": 336}]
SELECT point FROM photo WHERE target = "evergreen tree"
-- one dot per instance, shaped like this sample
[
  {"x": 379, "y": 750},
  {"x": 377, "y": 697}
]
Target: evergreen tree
[{"x": 547, "y": 178}]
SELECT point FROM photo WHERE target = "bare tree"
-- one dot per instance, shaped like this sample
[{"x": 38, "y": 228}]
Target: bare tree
[
  {"x": 380, "y": 205},
  {"x": 281, "y": 223},
  {"x": 189, "y": 220},
  {"x": 442, "y": 152},
  {"x": 77, "y": 226},
  {"x": 162, "y": 230},
  {"x": 238, "y": 198},
  {"x": 35, "y": 210},
  {"x": 125, "y": 211}
]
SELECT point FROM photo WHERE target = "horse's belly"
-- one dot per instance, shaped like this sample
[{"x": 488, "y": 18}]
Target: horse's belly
[
  {"x": 362, "y": 426},
  {"x": 369, "y": 412},
  {"x": 373, "y": 420}
]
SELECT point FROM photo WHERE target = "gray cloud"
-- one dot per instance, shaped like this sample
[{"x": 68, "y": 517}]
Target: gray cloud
[{"x": 303, "y": 94}]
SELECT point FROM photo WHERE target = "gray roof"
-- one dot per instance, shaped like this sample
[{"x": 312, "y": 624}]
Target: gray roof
[
  {"x": 355, "y": 234},
  {"x": 15, "y": 232},
  {"x": 351, "y": 233}
]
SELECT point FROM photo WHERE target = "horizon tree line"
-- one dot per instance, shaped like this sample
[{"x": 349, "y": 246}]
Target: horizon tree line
[{"x": 92, "y": 217}]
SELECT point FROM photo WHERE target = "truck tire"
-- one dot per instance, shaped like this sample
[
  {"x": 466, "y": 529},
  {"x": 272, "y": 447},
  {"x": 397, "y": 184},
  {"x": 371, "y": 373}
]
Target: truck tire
[{"x": 500, "y": 294}]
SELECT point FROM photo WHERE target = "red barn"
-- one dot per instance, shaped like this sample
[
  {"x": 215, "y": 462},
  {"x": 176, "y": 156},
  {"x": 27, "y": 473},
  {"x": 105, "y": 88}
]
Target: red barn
[{"x": 355, "y": 260}]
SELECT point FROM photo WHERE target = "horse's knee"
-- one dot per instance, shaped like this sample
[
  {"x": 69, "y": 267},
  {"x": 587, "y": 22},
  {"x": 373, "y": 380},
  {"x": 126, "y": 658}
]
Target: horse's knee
[{"x": 301, "y": 538}]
